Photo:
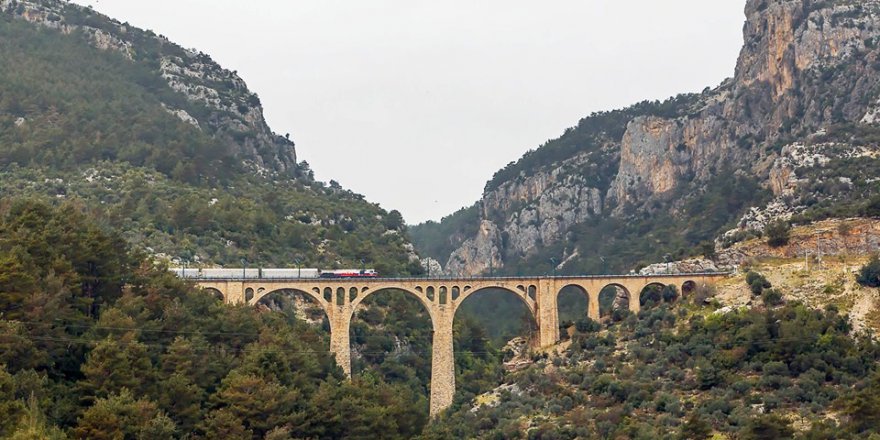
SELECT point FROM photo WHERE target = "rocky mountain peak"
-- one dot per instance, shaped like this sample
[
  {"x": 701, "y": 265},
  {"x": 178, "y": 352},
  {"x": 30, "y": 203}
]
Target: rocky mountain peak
[
  {"x": 805, "y": 66},
  {"x": 227, "y": 109}
]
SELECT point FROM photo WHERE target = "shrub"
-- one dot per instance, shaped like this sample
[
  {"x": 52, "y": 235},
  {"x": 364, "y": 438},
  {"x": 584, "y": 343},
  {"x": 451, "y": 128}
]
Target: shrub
[
  {"x": 771, "y": 297},
  {"x": 586, "y": 325},
  {"x": 768, "y": 427},
  {"x": 757, "y": 282},
  {"x": 778, "y": 233},
  {"x": 869, "y": 275}
]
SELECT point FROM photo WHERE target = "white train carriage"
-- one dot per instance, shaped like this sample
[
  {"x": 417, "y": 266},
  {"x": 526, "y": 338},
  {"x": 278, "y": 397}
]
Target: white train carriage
[
  {"x": 229, "y": 273},
  {"x": 250, "y": 273},
  {"x": 289, "y": 273}
]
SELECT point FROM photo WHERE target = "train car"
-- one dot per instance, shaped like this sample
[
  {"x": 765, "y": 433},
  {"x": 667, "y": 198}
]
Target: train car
[
  {"x": 230, "y": 273},
  {"x": 350, "y": 273},
  {"x": 274, "y": 273},
  {"x": 291, "y": 273}
]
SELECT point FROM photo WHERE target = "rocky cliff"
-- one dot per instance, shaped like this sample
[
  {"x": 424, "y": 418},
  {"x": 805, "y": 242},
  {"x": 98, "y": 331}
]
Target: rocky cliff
[
  {"x": 796, "y": 120},
  {"x": 220, "y": 102}
]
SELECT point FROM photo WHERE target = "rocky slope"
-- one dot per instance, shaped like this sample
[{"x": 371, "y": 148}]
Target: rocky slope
[
  {"x": 797, "y": 119},
  {"x": 170, "y": 148},
  {"x": 226, "y": 108}
]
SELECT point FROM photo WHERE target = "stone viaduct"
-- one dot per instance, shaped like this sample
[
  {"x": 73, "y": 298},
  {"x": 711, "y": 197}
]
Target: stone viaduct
[{"x": 339, "y": 298}]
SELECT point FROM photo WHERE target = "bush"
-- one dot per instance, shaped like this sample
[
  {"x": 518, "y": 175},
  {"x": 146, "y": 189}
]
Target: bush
[
  {"x": 771, "y": 297},
  {"x": 757, "y": 282},
  {"x": 869, "y": 275},
  {"x": 586, "y": 325},
  {"x": 778, "y": 233},
  {"x": 768, "y": 427}
]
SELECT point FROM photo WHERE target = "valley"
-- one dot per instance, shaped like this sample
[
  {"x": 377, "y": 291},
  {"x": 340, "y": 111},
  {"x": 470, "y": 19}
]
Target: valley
[{"x": 703, "y": 267}]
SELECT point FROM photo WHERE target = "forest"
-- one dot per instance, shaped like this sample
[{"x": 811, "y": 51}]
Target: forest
[{"x": 99, "y": 341}]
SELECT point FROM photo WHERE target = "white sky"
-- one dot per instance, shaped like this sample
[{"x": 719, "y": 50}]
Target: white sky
[{"x": 415, "y": 104}]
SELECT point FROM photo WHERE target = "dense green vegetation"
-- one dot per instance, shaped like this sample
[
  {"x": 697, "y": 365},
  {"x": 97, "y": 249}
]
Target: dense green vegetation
[
  {"x": 439, "y": 239},
  {"x": 109, "y": 344},
  {"x": 97, "y": 342},
  {"x": 266, "y": 224},
  {"x": 85, "y": 124},
  {"x": 681, "y": 371},
  {"x": 869, "y": 275},
  {"x": 80, "y": 105}
]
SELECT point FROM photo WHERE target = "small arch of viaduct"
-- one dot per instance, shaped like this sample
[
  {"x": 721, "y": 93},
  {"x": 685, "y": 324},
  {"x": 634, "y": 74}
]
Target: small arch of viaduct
[{"x": 339, "y": 298}]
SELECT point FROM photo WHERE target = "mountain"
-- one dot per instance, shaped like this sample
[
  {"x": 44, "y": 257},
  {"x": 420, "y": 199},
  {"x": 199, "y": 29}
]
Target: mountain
[
  {"x": 171, "y": 148},
  {"x": 792, "y": 136}
]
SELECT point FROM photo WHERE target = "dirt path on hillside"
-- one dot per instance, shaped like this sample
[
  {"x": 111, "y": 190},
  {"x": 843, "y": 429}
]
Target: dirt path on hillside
[{"x": 864, "y": 305}]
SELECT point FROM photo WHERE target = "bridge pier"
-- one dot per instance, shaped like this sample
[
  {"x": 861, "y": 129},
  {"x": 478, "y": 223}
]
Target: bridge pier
[
  {"x": 340, "y": 335},
  {"x": 593, "y": 309},
  {"x": 442, "y": 361},
  {"x": 546, "y": 313}
]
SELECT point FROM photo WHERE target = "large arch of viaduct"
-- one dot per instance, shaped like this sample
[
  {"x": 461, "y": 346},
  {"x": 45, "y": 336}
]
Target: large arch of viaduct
[{"x": 339, "y": 298}]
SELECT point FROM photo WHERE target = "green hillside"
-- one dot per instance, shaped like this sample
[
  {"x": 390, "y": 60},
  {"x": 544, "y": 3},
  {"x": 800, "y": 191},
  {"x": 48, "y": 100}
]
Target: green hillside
[{"x": 80, "y": 123}]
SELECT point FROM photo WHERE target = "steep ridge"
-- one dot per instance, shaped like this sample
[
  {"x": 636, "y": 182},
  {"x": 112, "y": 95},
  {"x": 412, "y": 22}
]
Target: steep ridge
[
  {"x": 794, "y": 128},
  {"x": 218, "y": 100},
  {"x": 169, "y": 147}
]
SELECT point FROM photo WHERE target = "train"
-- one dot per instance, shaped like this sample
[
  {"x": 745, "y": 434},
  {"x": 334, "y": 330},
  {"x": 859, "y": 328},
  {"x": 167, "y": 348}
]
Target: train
[{"x": 260, "y": 273}]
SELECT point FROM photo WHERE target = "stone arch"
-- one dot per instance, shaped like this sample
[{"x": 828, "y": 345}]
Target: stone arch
[
  {"x": 688, "y": 287},
  {"x": 572, "y": 304},
  {"x": 374, "y": 290},
  {"x": 667, "y": 293},
  {"x": 375, "y": 346},
  {"x": 248, "y": 294},
  {"x": 521, "y": 329},
  {"x": 530, "y": 304},
  {"x": 216, "y": 293},
  {"x": 617, "y": 299},
  {"x": 652, "y": 294},
  {"x": 313, "y": 298},
  {"x": 263, "y": 293}
]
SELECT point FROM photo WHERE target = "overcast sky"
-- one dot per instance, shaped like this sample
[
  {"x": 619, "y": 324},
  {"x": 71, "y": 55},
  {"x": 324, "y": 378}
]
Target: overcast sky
[{"x": 415, "y": 104}]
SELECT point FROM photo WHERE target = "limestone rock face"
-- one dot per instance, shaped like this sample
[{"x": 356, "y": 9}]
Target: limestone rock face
[
  {"x": 805, "y": 66},
  {"x": 533, "y": 211},
  {"x": 234, "y": 112},
  {"x": 694, "y": 265},
  {"x": 477, "y": 255},
  {"x": 432, "y": 267}
]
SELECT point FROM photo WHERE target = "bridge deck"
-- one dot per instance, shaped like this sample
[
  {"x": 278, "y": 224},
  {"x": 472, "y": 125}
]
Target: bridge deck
[{"x": 465, "y": 279}]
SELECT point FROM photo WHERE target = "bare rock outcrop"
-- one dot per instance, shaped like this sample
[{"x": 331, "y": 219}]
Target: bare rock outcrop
[
  {"x": 805, "y": 66},
  {"x": 477, "y": 255}
]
